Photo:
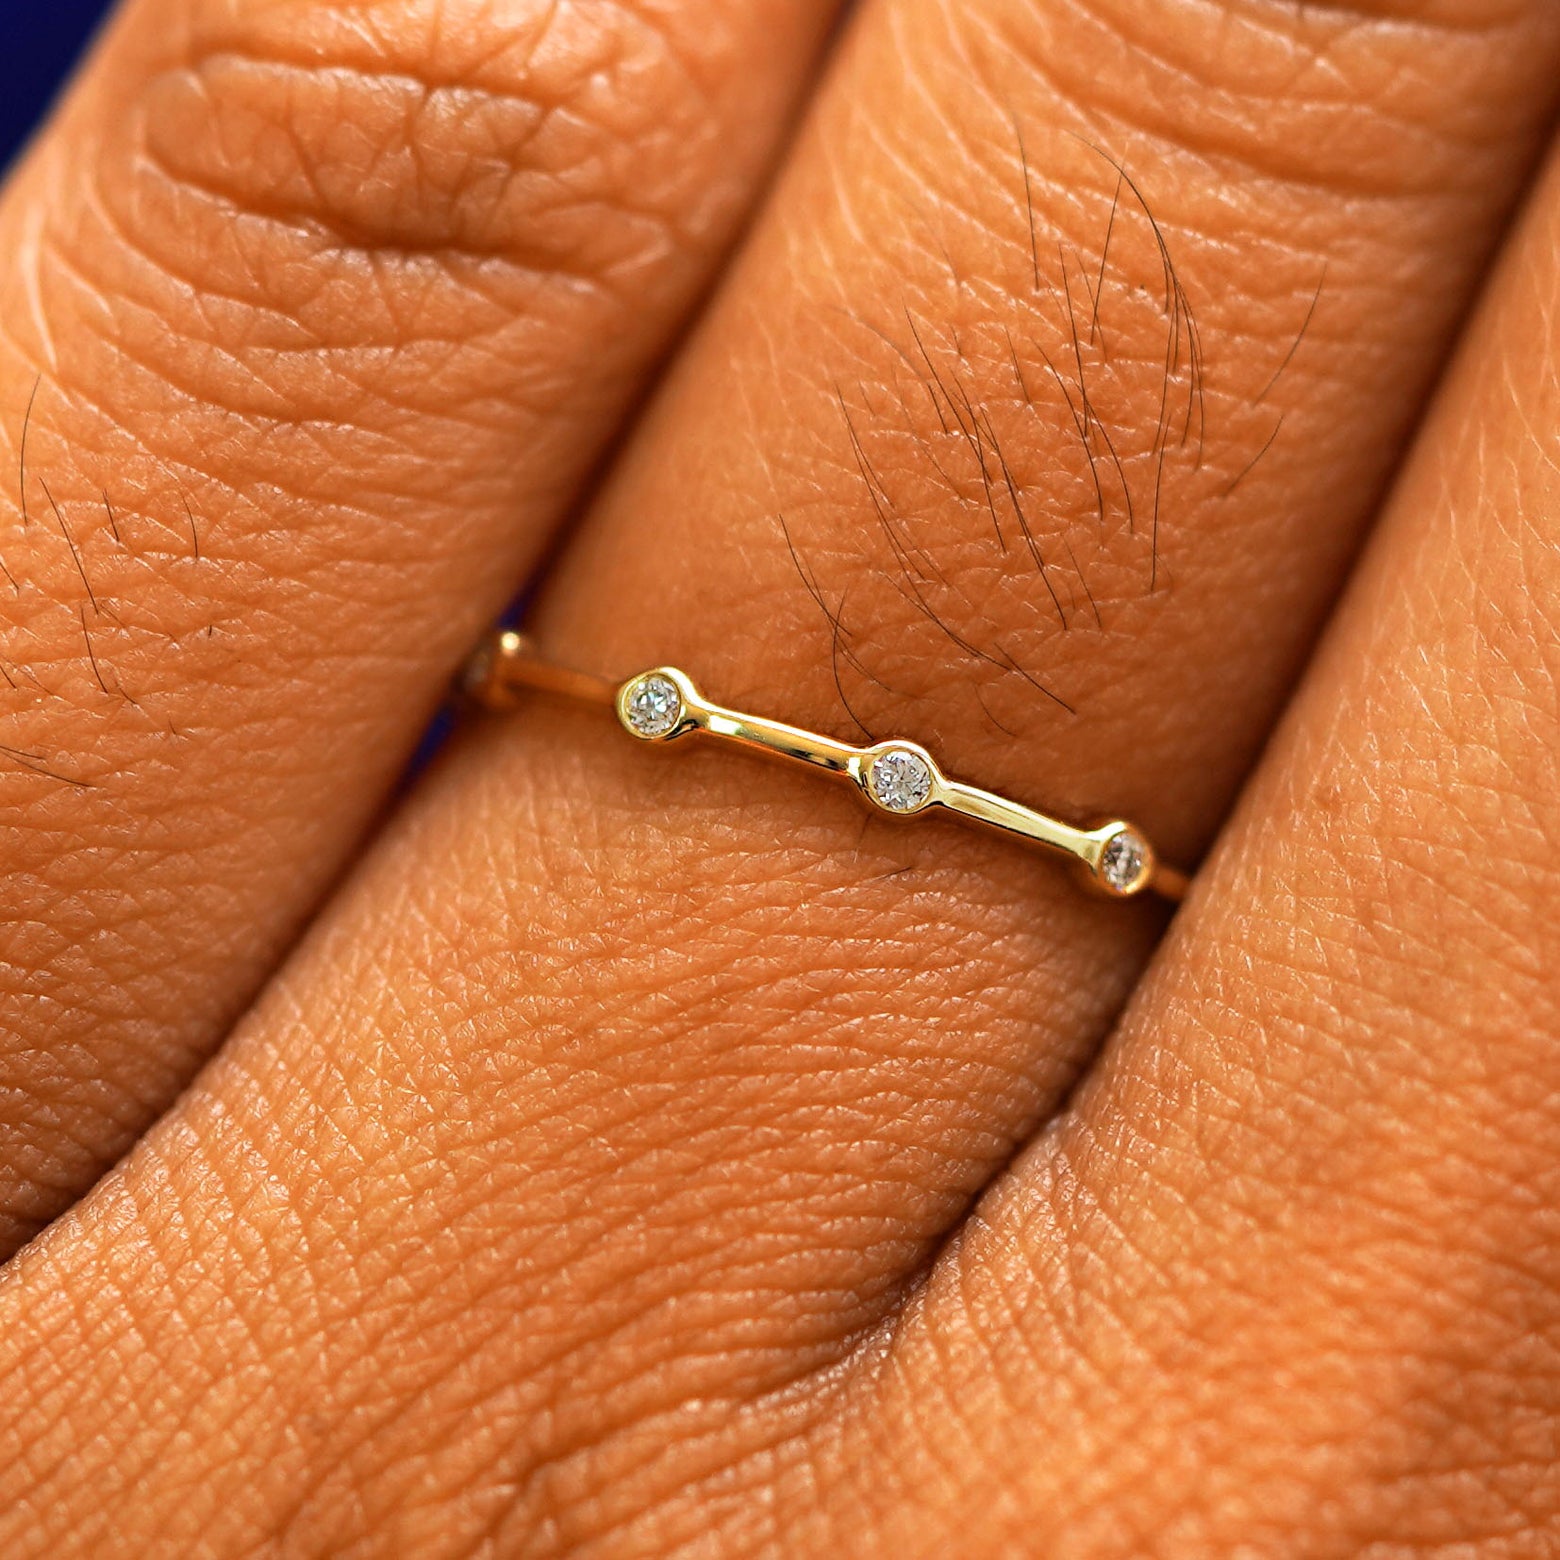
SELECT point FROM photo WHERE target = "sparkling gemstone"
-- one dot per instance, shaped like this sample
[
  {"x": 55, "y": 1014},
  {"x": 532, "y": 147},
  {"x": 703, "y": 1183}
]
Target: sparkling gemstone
[
  {"x": 1123, "y": 862},
  {"x": 653, "y": 706},
  {"x": 900, "y": 780}
]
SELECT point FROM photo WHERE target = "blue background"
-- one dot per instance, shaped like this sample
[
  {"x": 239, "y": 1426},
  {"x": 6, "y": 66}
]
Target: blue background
[{"x": 39, "y": 41}]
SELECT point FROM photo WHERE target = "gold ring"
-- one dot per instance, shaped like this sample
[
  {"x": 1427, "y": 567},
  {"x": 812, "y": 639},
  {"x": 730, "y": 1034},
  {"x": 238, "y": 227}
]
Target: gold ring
[{"x": 899, "y": 779}]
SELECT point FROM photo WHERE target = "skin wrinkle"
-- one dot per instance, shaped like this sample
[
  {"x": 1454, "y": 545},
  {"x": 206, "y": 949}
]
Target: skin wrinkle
[
  {"x": 86, "y": 582},
  {"x": 333, "y": 409},
  {"x": 1425, "y": 1036},
  {"x": 967, "y": 426},
  {"x": 1373, "y": 48},
  {"x": 457, "y": 93},
  {"x": 338, "y": 239}
]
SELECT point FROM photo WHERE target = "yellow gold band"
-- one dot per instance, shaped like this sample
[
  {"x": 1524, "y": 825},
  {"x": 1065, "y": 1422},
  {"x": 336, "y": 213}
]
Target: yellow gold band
[{"x": 900, "y": 779}]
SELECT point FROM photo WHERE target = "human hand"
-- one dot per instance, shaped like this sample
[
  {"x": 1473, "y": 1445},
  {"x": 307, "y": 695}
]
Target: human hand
[{"x": 648, "y": 1154}]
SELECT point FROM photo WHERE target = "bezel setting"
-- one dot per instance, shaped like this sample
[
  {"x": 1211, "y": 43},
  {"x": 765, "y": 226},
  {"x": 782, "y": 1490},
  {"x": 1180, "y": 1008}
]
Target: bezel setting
[
  {"x": 652, "y": 706},
  {"x": 1126, "y": 864},
  {"x": 899, "y": 779}
]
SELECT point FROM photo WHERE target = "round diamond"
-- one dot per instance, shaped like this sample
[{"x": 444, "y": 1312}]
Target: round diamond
[
  {"x": 653, "y": 706},
  {"x": 900, "y": 780},
  {"x": 1123, "y": 862}
]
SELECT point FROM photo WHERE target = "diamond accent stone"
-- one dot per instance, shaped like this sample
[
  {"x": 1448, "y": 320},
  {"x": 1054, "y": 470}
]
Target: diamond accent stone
[
  {"x": 653, "y": 706},
  {"x": 1123, "y": 862},
  {"x": 900, "y": 781}
]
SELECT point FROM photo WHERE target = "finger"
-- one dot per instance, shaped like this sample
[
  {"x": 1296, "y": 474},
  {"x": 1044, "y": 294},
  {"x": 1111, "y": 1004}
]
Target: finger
[
  {"x": 314, "y": 316},
  {"x": 1305, "y": 1211},
  {"x": 614, "y": 1102}
]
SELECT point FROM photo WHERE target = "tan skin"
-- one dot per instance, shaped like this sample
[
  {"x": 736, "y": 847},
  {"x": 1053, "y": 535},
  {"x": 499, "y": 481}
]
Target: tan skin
[{"x": 642, "y": 1154}]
